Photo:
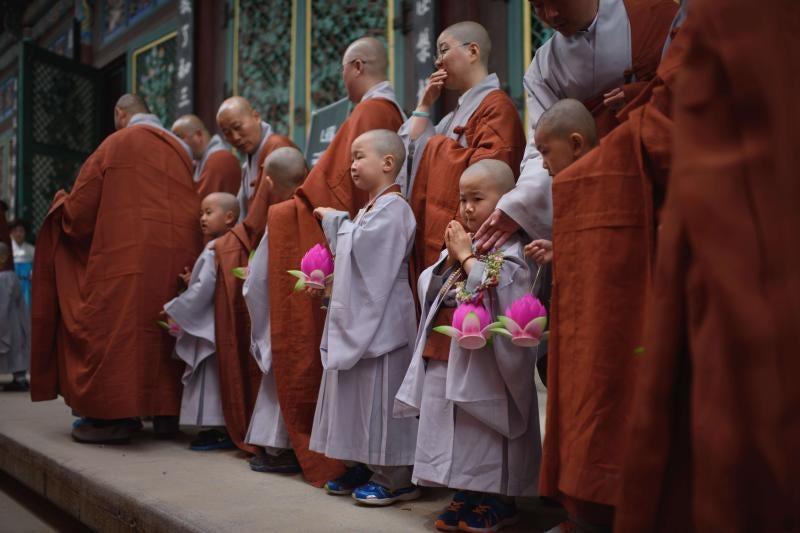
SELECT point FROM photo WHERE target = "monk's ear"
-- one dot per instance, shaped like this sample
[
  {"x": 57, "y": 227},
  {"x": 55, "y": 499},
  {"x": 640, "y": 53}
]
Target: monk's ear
[
  {"x": 230, "y": 218},
  {"x": 388, "y": 162},
  {"x": 577, "y": 143}
]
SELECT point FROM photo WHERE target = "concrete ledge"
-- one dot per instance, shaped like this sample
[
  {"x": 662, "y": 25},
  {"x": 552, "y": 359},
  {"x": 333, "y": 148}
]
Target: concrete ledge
[{"x": 161, "y": 486}]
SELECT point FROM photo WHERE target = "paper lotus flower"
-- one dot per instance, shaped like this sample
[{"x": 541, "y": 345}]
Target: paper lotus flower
[
  {"x": 243, "y": 272},
  {"x": 471, "y": 326},
  {"x": 171, "y": 326},
  {"x": 524, "y": 322},
  {"x": 316, "y": 268}
]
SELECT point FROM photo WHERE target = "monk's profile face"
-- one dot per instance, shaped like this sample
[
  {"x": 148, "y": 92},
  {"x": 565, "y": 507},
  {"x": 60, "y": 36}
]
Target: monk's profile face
[
  {"x": 567, "y": 17},
  {"x": 558, "y": 151},
  {"x": 456, "y": 58},
  {"x": 214, "y": 219},
  {"x": 241, "y": 128},
  {"x": 478, "y": 199},
  {"x": 368, "y": 168}
]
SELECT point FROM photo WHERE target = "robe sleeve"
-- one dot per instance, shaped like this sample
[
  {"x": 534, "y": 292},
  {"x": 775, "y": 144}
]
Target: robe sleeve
[
  {"x": 256, "y": 295},
  {"x": 370, "y": 256},
  {"x": 80, "y": 207},
  {"x": 416, "y": 146},
  {"x": 330, "y": 226}
]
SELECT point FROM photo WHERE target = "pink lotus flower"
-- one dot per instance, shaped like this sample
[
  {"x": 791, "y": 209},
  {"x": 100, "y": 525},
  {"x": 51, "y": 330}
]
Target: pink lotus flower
[
  {"x": 316, "y": 268},
  {"x": 470, "y": 327},
  {"x": 243, "y": 272},
  {"x": 524, "y": 322},
  {"x": 171, "y": 326}
]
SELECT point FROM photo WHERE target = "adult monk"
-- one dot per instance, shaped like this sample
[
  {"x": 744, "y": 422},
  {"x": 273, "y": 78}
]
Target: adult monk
[
  {"x": 108, "y": 256},
  {"x": 605, "y": 209},
  {"x": 484, "y": 125},
  {"x": 241, "y": 125},
  {"x": 715, "y": 431},
  {"x": 216, "y": 168},
  {"x": 296, "y": 319},
  {"x": 239, "y": 374},
  {"x": 602, "y": 53}
]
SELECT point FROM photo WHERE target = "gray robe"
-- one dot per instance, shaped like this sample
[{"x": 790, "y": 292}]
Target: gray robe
[
  {"x": 479, "y": 421},
  {"x": 215, "y": 145},
  {"x": 367, "y": 341},
  {"x": 250, "y": 172},
  {"x": 580, "y": 66},
  {"x": 153, "y": 121},
  {"x": 15, "y": 350},
  {"x": 467, "y": 104},
  {"x": 267, "y": 427},
  {"x": 193, "y": 310}
]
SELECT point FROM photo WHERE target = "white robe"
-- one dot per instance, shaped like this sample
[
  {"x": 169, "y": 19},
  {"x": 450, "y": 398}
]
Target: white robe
[
  {"x": 193, "y": 310},
  {"x": 467, "y": 104},
  {"x": 368, "y": 337},
  {"x": 14, "y": 325},
  {"x": 250, "y": 172},
  {"x": 581, "y": 66},
  {"x": 478, "y": 427}
]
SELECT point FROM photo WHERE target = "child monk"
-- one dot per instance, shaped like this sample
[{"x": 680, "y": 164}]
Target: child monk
[
  {"x": 369, "y": 332},
  {"x": 564, "y": 133},
  {"x": 193, "y": 312},
  {"x": 14, "y": 326},
  {"x": 478, "y": 417},
  {"x": 284, "y": 170}
]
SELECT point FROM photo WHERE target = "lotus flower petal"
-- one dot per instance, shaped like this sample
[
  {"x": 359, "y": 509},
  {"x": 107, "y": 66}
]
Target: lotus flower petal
[
  {"x": 535, "y": 327},
  {"x": 171, "y": 326},
  {"x": 448, "y": 330},
  {"x": 525, "y": 309},
  {"x": 472, "y": 342},
  {"x": 317, "y": 258},
  {"x": 241, "y": 272},
  {"x": 510, "y": 324}
]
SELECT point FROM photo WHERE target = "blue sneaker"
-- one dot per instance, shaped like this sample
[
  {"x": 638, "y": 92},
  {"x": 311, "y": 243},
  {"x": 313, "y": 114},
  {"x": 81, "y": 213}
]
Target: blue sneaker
[
  {"x": 211, "y": 439},
  {"x": 490, "y": 515},
  {"x": 462, "y": 503},
  {"x": 344, "y": 485},
  {"x": 378, "y": 495}
]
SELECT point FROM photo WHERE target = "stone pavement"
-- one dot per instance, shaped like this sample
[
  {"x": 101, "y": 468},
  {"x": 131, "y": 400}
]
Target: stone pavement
[{"x": 155, "y": 486}]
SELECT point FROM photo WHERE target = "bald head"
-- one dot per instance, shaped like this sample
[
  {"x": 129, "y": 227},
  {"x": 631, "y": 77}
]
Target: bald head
[
  {"x": 566, "y": 117},
  {"x": 364, "y": 65},
  {"x": 127, "y": 106},
  {"x": 225, "y": 200},
  {"x": 191, "y": 130},
  {"x": 286, "y": 166},
  {"x": 240, "y": 124},
  {"x": 491, "y": 175},
  {"x": 383, "y": 143},
  {"x": 472, "y": 32}
]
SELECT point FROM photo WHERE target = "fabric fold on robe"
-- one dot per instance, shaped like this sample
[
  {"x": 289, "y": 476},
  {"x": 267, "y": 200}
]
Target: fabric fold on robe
[
  {"x": 622, "y": 48},
  {"x": 297, "y": 321},
  {"x": 480, "y": 403},
  {"x": 367, "y": 340},
  {"x": 607, "y": 200},
  {"x": 108, "y": 257},
  {"x": 484, "y": 125},
  {"x": 218, "y": 170},
  {"x": 193, "y": 311}
]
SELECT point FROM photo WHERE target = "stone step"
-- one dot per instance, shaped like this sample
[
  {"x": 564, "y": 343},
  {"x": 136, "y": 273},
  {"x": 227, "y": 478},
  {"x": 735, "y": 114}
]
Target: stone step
[{"x": 161, "y": 486}]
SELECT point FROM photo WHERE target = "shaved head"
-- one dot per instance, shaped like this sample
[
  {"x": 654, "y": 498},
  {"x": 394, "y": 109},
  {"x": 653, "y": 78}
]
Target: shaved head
[
  {"x": 189, "y": 124},
  {"x": 132, "y": 103},
  {"x": 566, "y": 117},
  {"x": 225, "y": 200},
  {"x": 472, "y": 32},
  {"x": 287, "y": 167},
  {"x": 240, "y": 124},
  {"x": 491, "y": 174},
  {"x": 372, "y": 52},
  {"x": 191, "y": 130},
  {"x": 384, "y": 142}
]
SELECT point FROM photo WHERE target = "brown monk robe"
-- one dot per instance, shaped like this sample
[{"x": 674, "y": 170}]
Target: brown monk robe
[
  {"x": 216, "y": 168},
  {"x": 484, "y": 125},
  {"x": 296, "y": 319},
  {"x": 715, "y": 431},
  {"x": 605, "y": 208},
  {"x": 108, "y": 256},
  {"x": 5, "y": 237},
  {"x": 239, "y": 374}
]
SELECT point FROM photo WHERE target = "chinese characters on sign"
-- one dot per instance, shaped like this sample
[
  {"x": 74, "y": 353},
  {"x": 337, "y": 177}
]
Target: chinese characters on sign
[
  {"x": 424, "y": 43},
  {"x": 184, "y": 57}
]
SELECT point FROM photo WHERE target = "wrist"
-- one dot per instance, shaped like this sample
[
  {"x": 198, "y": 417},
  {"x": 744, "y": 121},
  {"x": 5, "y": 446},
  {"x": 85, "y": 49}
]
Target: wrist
[
  {"x": 466, "y": 257},
  {"x": 423, "y": 108}
]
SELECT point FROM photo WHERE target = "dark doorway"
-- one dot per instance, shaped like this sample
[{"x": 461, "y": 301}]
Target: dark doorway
[{"x": 114, "y": 84}]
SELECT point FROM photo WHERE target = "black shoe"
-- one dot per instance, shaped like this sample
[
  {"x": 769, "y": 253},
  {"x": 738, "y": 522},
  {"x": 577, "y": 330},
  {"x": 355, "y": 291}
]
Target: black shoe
[
  {"x": 94, "y": 431},
  {"x": 165, "y": 427},
  {"x": 211, "y": 439},
  {"x": 283, "y": 463},
  {"x": 18, "y": 385}
]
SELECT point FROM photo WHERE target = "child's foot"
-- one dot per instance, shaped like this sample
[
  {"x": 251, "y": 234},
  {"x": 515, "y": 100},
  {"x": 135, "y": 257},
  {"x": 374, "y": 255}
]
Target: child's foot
[
  {"x": 378, "y": 495},
  {"x": 462, "y": 503},
  {"x": 490, "y": 515},
  {"x": 344, "y": 485},
  {"x": 211, "y": 439},
  {"x": 283, "y": 463}
]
